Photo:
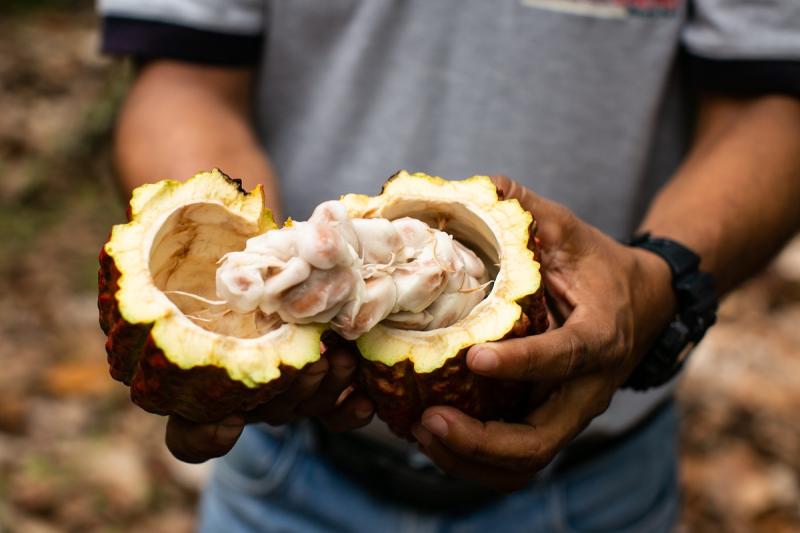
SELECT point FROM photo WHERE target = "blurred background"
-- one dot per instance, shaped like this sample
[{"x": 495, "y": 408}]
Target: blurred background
[{"x": 76, "y": 455}]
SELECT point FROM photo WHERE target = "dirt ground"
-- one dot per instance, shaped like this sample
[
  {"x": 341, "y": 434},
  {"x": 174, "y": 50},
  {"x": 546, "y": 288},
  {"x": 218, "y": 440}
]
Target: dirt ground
[{"x": 76, "y": 456}]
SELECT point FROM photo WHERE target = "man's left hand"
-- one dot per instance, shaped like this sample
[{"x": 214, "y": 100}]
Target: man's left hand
[{"x": 613, "y": 301}]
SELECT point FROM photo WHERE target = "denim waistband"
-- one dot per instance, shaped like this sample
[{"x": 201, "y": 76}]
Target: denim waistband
[{"x": 394, "y": 475}]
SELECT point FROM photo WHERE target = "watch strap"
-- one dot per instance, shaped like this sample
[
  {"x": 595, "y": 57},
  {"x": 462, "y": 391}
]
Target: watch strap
[
  {"x": 680, "y": 259},
  {"x": 697, "y": 306}
]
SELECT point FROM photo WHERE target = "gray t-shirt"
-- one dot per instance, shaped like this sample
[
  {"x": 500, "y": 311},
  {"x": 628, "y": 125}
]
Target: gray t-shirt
[{"x": 585, "y": 101}]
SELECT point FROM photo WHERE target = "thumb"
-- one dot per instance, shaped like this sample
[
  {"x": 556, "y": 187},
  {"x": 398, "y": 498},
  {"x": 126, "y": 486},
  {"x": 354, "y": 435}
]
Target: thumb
[{"x": 557, "y": 355}]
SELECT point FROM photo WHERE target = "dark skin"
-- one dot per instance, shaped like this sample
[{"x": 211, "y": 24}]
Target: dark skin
[
  {"x": 606, "y": 292},
  {"x": 733, "y": 201},
  {"x": 316, "y": 393},
  {"x": 160, "y": 134}
]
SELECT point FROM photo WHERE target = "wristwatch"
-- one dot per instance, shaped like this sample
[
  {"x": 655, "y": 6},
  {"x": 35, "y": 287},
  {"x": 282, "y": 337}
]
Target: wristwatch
[{"x": 697, "y": 311}]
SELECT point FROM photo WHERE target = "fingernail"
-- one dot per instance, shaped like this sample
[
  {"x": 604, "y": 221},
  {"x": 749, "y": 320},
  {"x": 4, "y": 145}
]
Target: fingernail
[
  {"x": 363, "y": 411},
  {"x": 343, "y": 370},
  {"x": 436, "y": 425},
  {"x": 422, "y": 435},
  {"x": 312, "y": 378},
  {"x": 226, "y": 433},
  {"x": 320, "y": 368},
  {"x": 233, "y": 420},
  {"x": 484, "y": 360}
]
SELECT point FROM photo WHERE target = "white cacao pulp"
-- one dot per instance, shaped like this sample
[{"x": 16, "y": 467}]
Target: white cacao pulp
[{"x": 354, "y": 273}]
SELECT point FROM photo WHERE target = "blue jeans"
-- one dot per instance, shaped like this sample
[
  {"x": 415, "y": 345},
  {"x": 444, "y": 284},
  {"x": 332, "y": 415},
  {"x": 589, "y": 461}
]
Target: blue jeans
[{"x": 275, "y": 482}]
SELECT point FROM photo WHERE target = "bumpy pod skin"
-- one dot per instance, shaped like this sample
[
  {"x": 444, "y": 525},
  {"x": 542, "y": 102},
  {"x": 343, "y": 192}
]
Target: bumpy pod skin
[
  {"x": 201, "y": 394},
  {"x": 171, "y": 365},
  {"x": 123, "y": 339},
  {"x": 175, "y": 367},
  {"x": 401, "y": 395}
]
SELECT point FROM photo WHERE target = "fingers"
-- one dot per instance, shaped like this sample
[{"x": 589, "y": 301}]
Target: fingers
[
  {"x": 540, "y": 207},
  {"x": 317, "y": 391},
  {"x": 522, "y": 448},
  {"x": 499, "y": 479},
  {"x": 508, "y": 188},
  {"x": 577, "y": 347},
  {"x": 558, "y": 227},
  {"x": 498, "y": 444},
  {"x": 570, "y": 408},
  {"x": 335, "y": 403},
  {"x": 195, "y": 443},
  {"x": 354, "y": 412},
  {"x": 281, "y": 409},
  {"x": 342, "y": 366},
  {"x": 314, "y": 392}
]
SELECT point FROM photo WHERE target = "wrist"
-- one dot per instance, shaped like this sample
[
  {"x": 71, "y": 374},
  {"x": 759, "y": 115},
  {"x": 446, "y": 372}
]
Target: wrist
[
  {"x": 655, "y": 298},
  {"x": 694, "y": 311}
]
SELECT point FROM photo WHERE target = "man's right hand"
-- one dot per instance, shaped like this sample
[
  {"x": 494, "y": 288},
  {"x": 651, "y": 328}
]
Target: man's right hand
[
  {"x": 161, "y": 134},
  {"x": 322, "y": 390}
]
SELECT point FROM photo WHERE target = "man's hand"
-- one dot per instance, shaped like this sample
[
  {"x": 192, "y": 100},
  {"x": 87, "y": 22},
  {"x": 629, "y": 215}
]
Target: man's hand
[
  {"x": 321, "y": 390},
  {"x": 160, "y": 133},
  {"x": 613, "y": 301}
]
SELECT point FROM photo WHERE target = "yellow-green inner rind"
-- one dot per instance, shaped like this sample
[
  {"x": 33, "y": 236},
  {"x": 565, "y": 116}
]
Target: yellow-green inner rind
[
  {"x": 251, "y": 361},
  {"x": 494, "y": 317}
]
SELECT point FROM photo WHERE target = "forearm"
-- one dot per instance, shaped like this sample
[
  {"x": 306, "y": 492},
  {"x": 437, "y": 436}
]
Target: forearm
[
  {"x": 735, "y": 199},
  {"x": 180, "y": 119}
]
